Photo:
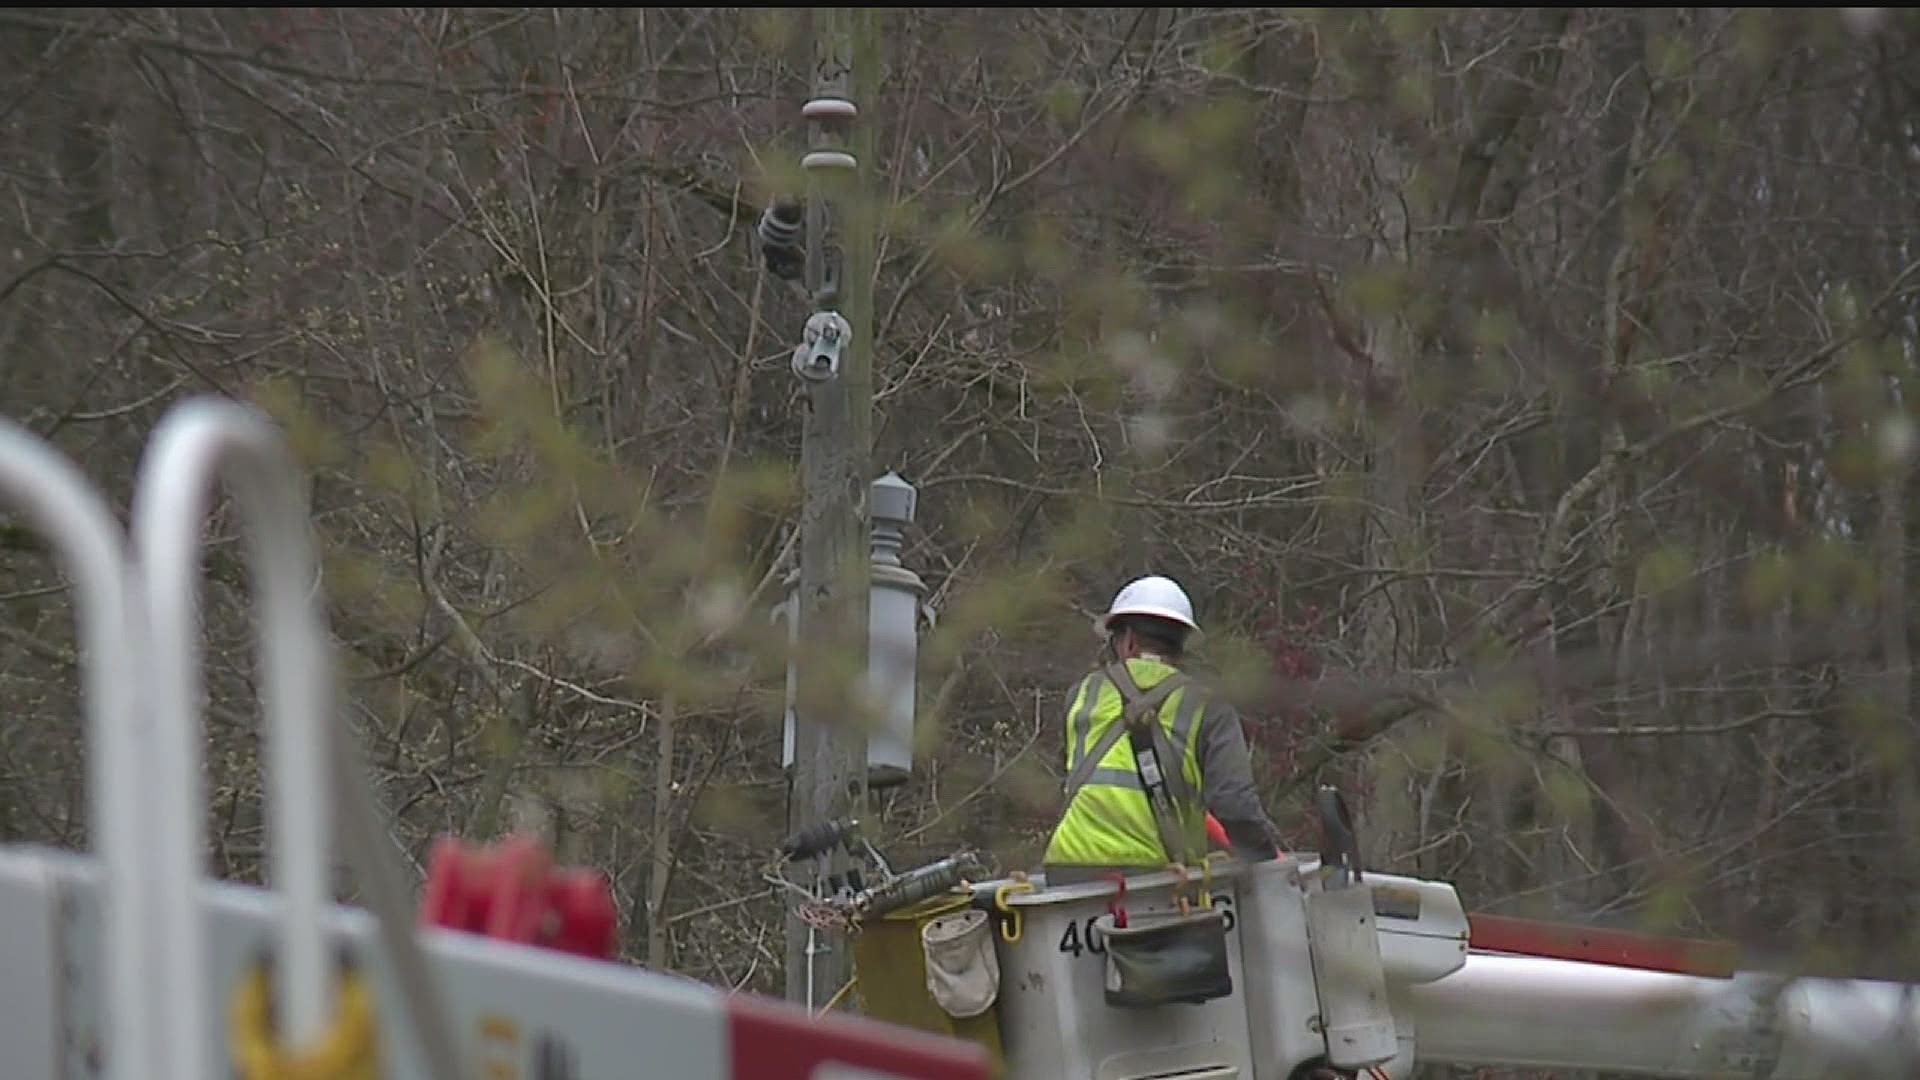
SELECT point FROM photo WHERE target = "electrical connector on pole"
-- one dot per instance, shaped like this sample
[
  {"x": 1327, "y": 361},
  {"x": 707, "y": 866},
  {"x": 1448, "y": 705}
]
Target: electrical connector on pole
[{"x": 817, "y": 358}]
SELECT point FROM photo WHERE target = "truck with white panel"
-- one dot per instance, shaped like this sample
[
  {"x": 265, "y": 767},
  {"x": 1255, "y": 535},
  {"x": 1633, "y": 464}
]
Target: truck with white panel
[{"x": 128, "y": 963}]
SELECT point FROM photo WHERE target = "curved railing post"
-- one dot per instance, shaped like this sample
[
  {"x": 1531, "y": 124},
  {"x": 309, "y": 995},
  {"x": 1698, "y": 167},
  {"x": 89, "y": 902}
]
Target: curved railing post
[
  {"x": 87, "y": 539},
  {"x": 312, "y": 770},
  {"x": 194, "y": 445}
]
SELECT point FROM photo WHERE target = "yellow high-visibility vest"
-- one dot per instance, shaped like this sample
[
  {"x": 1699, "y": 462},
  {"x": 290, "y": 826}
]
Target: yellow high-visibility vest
[{"x": 1108, "y": 821}]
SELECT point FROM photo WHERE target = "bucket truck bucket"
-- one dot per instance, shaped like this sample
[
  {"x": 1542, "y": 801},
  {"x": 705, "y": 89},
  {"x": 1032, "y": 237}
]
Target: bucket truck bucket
[{"x": 1054, "y": 1016}]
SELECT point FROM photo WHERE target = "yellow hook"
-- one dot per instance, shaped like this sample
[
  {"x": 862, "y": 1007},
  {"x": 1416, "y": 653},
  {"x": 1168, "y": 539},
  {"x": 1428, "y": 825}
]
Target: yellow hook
[{"x": 1014, "y": 926}]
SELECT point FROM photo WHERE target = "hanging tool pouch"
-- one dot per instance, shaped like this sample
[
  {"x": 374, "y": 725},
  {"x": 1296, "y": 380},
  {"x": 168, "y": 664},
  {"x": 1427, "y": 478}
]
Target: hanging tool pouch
[
  {"x": 1166, "y": 958},
  {"x": 900, "y": 983},
  {"x": 963, "y": 971},
  {"x": 1171, "y": 957}
]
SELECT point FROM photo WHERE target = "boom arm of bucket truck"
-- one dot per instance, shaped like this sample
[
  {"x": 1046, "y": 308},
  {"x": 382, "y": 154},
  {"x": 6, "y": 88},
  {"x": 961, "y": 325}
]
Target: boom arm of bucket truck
[
  {"x": 1504, "y": 992},
  {"x": 1543, "y": 995}
]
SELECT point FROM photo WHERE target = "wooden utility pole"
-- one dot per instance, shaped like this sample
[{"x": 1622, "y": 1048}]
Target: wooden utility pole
[{"x": 834, "y": 364}]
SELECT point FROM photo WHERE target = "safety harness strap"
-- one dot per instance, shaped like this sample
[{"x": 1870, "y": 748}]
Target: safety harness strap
[
  {"x": 1084, "y": 768},
  {"x": 1153, "y": 752}
]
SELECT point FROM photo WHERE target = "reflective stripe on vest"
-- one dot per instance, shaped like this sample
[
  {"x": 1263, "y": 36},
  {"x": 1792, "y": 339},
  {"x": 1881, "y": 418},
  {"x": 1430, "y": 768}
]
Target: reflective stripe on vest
[{"x": 1110, "y": 822}]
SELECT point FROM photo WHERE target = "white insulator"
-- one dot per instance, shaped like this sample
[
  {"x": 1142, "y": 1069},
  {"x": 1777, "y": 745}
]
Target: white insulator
[
  {"x": 829, "y": 109},
  {"x": 829, "y": 159}
]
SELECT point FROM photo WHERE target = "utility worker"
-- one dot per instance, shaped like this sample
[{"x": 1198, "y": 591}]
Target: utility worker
[{"x": 1119, "y": 816}]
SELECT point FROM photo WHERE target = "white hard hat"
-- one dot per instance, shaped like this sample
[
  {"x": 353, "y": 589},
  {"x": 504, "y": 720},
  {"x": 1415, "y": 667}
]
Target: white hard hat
[{"x": 1160, "y": 597}]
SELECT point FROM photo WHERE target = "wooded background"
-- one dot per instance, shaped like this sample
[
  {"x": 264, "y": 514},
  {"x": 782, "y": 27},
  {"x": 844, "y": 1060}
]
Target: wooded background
[{"x": 1409, "y": 341}]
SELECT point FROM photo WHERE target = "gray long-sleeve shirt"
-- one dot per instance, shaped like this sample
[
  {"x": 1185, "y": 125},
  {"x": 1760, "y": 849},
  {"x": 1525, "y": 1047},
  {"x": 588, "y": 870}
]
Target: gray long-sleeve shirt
[{"x": 1226, "y": 776}]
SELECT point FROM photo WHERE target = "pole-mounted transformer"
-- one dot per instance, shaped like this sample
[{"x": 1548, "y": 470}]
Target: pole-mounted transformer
[{"x": 895, "y": 607}]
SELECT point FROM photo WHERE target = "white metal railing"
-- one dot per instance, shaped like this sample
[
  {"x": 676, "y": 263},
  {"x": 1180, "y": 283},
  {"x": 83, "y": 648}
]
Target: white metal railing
[
  {"x": 87, "y": 541},
  {"x": 195, "y": 445},
  {"x": 140, "y": 634},
  {"x": 311, "y": 766}
]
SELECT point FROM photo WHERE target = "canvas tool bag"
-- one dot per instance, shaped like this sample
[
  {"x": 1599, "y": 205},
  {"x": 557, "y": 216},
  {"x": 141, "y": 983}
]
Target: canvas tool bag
[{"x": 963, "y": 971}]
